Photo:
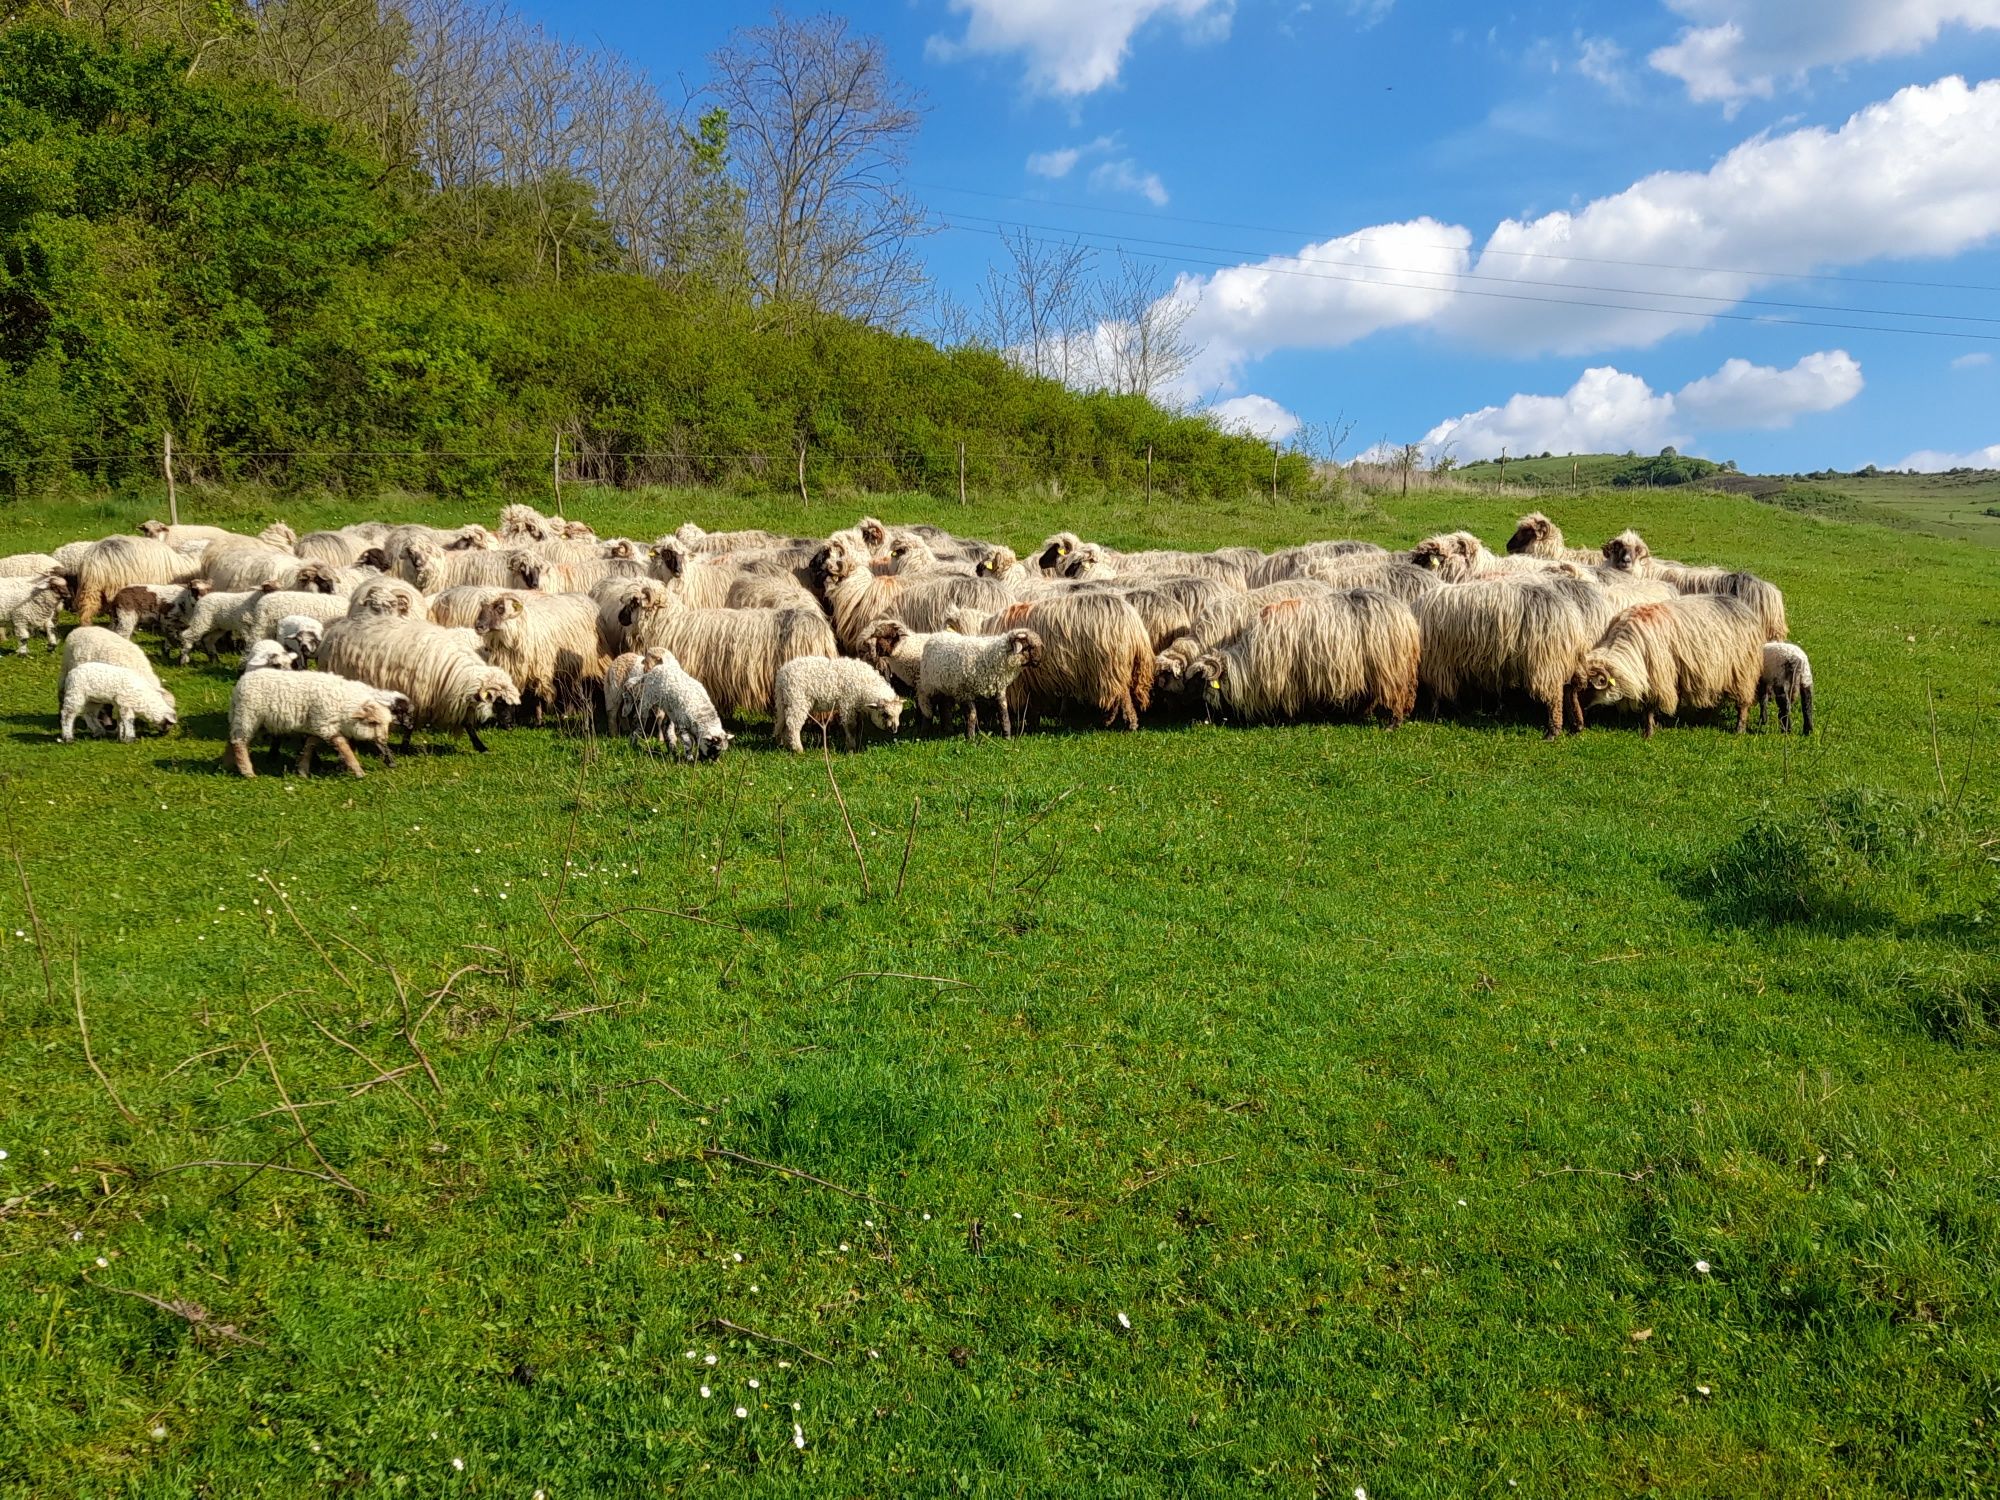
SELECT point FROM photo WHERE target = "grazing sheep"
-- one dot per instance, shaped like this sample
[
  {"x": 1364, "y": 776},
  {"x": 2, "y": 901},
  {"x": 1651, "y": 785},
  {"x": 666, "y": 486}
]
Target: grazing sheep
[
  {"x": 1095, "y": 651},
  {"x": 448, "y": 686},
  {"x": 547, "y": 643},
  {"x": 206, "y": 621},
  {"x": 29, "y": 565},
  {"x": 1535, "y": 535},
  {"x": 260, "y": 619},
  {"x": 314, "y": 705},
  {"x": 676, "y": 708},
  {"x": 1353, "y": 652},
  {"x": 28, "y": 605},
  {"x": 1228, "y": 616},
  {"x": 268, "y": 654},
  {"x": 93, "y": 643},
  {"x": 248, "y": 563},
  {"x": 1454, "y": 555},
  {"x": 859, "y": 597},
  {"x": 621, "y": 691},
  {"x": 1787, "y": 677},
  {"x": 1517, "y": 634},
  {"x": 734, "y": 653},
  {"x": 831, "y": 689},
  {"x": 386, "y": 596},
  {"x": 116, "y": 562},
  {"x": 150, "y": 604},
  {"x": 96, "y": 685},
  {"x": 711, "y": 543},
  {"x": 1760, "y": 595},
  {"x": 458, "y": 608},
  {"x": 1691, "y": 652},
  {"x": 966, "y": 668},
  {"x": 301, "y": 635}
]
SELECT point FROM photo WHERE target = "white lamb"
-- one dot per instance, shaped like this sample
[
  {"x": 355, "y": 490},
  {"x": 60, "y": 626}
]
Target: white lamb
[
  {"x": 267, "y": 654},
  {"x": 1787, "y": 677},
  {"x": 96, "y": 685},
  {"x": 676, "y": 708},
  {"x": 28, "y": 605},
  {"x": 316, "y": 705},
  {"x": 300, "y": 635},
  {"x": 966, "y": 668},
  {"x": 212, "y": 618},
  {"x": 825, "y": 689}
]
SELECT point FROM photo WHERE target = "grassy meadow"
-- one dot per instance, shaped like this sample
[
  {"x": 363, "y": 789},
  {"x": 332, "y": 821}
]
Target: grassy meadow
[{"x": 1291, "y": 1110}]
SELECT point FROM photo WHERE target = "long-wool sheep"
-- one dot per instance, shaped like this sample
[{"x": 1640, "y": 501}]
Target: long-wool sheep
[
  {"x": 675, "y": 707},
  {"x": 249, "y": 563},
  {"x": 1453, "y": 555},
  {"x": 116, "y": 562},
  {"x": 387, "y": 596},
  {"x": 1691, "y": 652},
  {"x": 1299, "y": 561},
  {"x": 95, "y": 685},
  {"x": 313, "y": 705},
  {"x": 1787, "y": 677},
  {"x": 1535, "y": 535},
  {"x": 1095, "y": 651},
  {"x": 1352, "y": 652},
  {"x": 963, "y": 669},
  {"x": 181, "y": 536},
  {"x": 449, "y": 687},
  {"x": 424, "y": 563},
  {"x": 548, "y": 644},
  {"x": 735, "y": 653},
  {"x": 621, "y": 691},
  {"x": 836, "y": 689},
  {"x": 30, "y": 605},
  {"x": 859, "y": 597},
  {"x": 260, "y": 619},
  {"x": 93, "y": 643},
  {"x": 1514, "y": 634},
  {"x": 458, "y": 608},
  {"x": 1760, "y": 594}
]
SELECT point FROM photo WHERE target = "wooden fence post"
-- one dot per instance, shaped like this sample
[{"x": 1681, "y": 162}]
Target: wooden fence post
[
  {"x": 961, "y": 471},
  {"x": 1149, "y": 473},
  {"x": 1274, "y": 471},
  {"x": 804, "y": 499},
  {"x": 167, "y": 465},
  {"x": 555, "y": 472}
]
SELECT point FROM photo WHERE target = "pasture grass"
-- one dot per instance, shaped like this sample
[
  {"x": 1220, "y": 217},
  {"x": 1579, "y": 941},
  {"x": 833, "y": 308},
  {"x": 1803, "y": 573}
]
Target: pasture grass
[{"x": 1393, "y": 1087}]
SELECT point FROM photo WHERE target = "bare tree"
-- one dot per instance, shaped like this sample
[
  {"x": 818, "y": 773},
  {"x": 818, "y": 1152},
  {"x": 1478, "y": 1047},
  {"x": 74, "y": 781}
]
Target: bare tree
[
  {"x": 1035, "y": 306},
  {"x": 821, "y": 133},
  {"x": 1405, "y": 460},
  {"x": 1140, "y": 345}
]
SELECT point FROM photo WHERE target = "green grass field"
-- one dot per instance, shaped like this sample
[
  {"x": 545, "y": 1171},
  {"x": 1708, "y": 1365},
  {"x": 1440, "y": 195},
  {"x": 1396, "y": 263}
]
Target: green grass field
[{"x": 1394, "y": 1088}]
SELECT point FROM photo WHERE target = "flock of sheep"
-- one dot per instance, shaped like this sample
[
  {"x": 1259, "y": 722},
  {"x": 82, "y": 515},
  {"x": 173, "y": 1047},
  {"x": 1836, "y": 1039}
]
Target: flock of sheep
[{"x": 416, "y": 627}]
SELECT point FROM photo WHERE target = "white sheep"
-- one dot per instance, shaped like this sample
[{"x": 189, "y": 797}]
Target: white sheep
[
  {"x": 28, "y": 605},
  {"x": 29, "y": 565},
  {"x": 439, "y": 670},
  {"x": 547, "y": 643},
  {"x": 93, "y": 643},
  {"x": 260, "y": 619},
  {"x": 301, "y": 636},
  {"x": 266, "y": 655},
  {"x": 831, "y": 689},
  {"x": 315, "y": 705},
  {"x": 965, "y": 668},
  {"x": 206, "y": 620},
  {"x": 676, "y": 708},
  {"x": 95, "y": 685},
  {"x": 1787, "y": 677}
]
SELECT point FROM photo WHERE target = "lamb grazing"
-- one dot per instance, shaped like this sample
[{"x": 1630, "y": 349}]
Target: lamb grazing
[
  {"x": 446, "y": 683},
  {"x": 547, "y": 643},
  {"x": 431, "y": 568},
  {"x": 1502, "y": 635},
  {"x": 301, "y": 636},
  {"x": 966, "y": 668},
  {"x": 29, "y": 565},
  {"x": 1353, "y": 652},
  {"x": 105, "y": 567},
  {"x": 1691, "y": 652},
  {"x": 1535, "y": 535},
  {"x": 837, "y": 688},
  {"x": 315, "y": 705},
  {"x": 734, "y": 653},
  {"x": 95, "y": 685},
  {"x": 150, "y": 604},
  {"x": 267, "y": 655},
  {"x": 28, "y": 605},
  {"x": 897, "y": 652},
  {"x": 93, "y": 643},
  {"x": 1787, "y": 677},
  {"x": 260, "y": 619},
  {"x": 1454, "y": 556},
  {"x": 1095, "y": 650},
  {"x": 675, "y": 707},
  {"x": 621, "y": 691},
  {"x": 459, "y": 607},
  {"x": 386, "y": 596}
]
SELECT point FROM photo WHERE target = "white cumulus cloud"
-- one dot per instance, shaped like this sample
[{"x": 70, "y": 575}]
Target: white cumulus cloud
[
  {"x": 1597, "y": 58},
  {"x": 1742, "y": 49},
  {"x": 1931, "y": 461},
  {"x": 1123, "y": 175},
  {"x": 1256, "y": 416},
  {"x": 1072, "y": 47},
  {"x": 1972, "y": 361},
  {"x": 1056, "y": 163},
  {"x": 1741, "y": 394},
  {"x": 1610, "y": 410}
]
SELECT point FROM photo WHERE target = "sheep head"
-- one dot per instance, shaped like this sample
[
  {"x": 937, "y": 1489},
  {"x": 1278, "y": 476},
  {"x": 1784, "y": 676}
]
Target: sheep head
[
  {"x": 1024, "y": 646},
  {"x": 872, "y": 532},
  {"x": 1597, "y": 681},
  {"x": 523, "y": 521},
  {"x": 473, "y": 538},
  {"x": 499, "y": 611},
  {"x": 657, "y": 656},
  {"x": 670, "y": 559},
  {"x": 1626, "y": 551},
  {"x": 710, "y": 744},
  {"x": 279, "y": 535},
  {"x": 620, "y": 549},
  {"x": 315, "y": 578},
  {"x": 373, "y": 557},
  {"x": 153, "y": 529},
  {"x": 998, "y": 563},
  {"x": 880, "y": 640},
  {"x": 648, "y": 596},
  {"x": 886, "y": 713},
  {"x": 265, "y": 655},
  {"x": 1534, "y": 533},
  {"x": 369, "y": 721},
  {"x": 526, "y": 568},
  {"x": 55, "y": 583},
  {"x": 1055, "y": 549},
  {"x": 423, "y": 564}
]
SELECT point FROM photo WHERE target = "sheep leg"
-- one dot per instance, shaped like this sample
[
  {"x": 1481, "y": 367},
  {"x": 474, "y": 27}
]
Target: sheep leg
[
  {"x": 305, "y": 764},
  {"x": 382, "y": 749},
  {"x": 66, "y": 731},
  {"x": 1764, "y": 707},
  {"x": 1555, "y": 714},
  {"x": 971, "y": 719},
  {"x": 239, "y": 757},
  {"x": 471, "y": 733},
  {"x": 49, "y": 631},
  {"x": 127, "y": 730},
  {"x": 347, "y": 756},
  {"x": 1647, "y": 732},
  {"x": 1006, "y": 719},
  {"x": 1742, "y": 715}
]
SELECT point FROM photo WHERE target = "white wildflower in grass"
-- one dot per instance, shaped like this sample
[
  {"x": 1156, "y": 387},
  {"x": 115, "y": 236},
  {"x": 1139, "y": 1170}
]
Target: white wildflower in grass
[
  {"x": 1461, "y": 1203},
  {"x": 690, "y": 1354},
  {"x": 874, "y": 1353},
  {"x": 1701, "y": 1268},
  {"x": 159, "y": 1434},
  {"x": 869, "y": 1223},
  {"x": 101, "y": 1261},
  {"x": 1701, "y": 1390},
  {"x": 798, "y": 1436},
  {"x": 458, "y": 1464},
  {"x": 742, "y": 1411},
  {"x": 706, "y": 1393},
  {"x": 737, "y": 1256},
  {"x": 708, "y": 1359},
  {"x": 1017, "y": 1216},
  {"x": 797, "y": 1407},
  {"x": 784, "y": 1364},
  {"x": 755, "y": 1288},
  {"x": 927, "y": 1218},
  {"x": 843, "y": 1247},
  {"x": 77, "y": 1235},
  {"x": 1360, "y": 1493},
  {"x": 1124, "y": 1322},
  {"x": 3, "y": 1155},
  {"x": 753, "y": 1384}
]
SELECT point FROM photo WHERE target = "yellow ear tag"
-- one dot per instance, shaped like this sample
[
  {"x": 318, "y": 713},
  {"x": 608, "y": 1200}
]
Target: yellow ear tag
[
  {"x": 1062, "y": 550},
  {"x": 1609, "y": 680}
]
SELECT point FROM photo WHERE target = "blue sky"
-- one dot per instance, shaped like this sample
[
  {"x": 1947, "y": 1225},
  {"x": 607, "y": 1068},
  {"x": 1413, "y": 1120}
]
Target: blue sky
[{"x": 1377, "y": 148}]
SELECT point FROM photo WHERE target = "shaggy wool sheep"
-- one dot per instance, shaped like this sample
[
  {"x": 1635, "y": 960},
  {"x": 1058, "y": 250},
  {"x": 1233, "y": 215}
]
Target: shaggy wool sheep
[
  {"x": 29, "y": 605},
  {"x": 93, "y": 643},
  {"x": 178, "y": 537},
  {"x": 1297, "y": 562},
  {"x": 448, "y": 686},
  {"x": 250, "y": 563},
  {"x": 29, "y": 565},
  {"x": 1388, "y": 573},
  {"x": 266, "y": 655},
  {"x": 207, "y": 621},
  {"x": 260, "y": 619},
  {"x": 313, "y": 705},
  {"x": 301, "y": 635},
  {"x": 1502, "y": 635},
  {"x": 459, "y": 607},
  {"x": 116, "y": 562},
  {"x": 1787, "y": 677},
  {"x": 710, "y": 543},
  {"x": 548, "y": 644},
  {"x": 827, "y": 690},
  {"x": 1691, "y": 652},
  {"x": 337, "y": 549},
  {"x": 734, "y": 653},
  {"x": 96, "y": 685},
  {"x": 1454, "y": 555},
  {"x": 1353, "y": 652},
  {"x": 963, "y": 669},
  {"x": 621, "y": 691},
  {"x": 676, "y": 708},
  {"x": 1627, "y": 552},
  {"x": 536, "y": 570},
  {"x": 1760, "y": 595},
  {"x": 428, "y": 566},
  {"x": 1535, "y": 535},
  {"x": 1095, "y": 651},
  {"x": 859, "y": 597},
  {"x": 387, "y": 596},
  {"x": 703, "y": 581}
]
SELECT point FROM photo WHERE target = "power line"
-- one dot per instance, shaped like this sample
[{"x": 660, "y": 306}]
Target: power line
[
  {"x": 1591, "y": 260},
  {"x": 1466, "y": 291},
  {"x": 1622, "y": 291}
]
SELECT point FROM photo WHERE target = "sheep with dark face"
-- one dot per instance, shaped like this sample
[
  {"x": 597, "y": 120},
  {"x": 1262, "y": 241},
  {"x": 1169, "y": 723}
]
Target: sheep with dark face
[
  {"x": 387, "y": 598},
  {"x": 1692, "y": 652},
  {"x": 547, "y": 643},
  {"x": 1535, "y": 535},
  {"x": 301, "y": 635},
  {"x": 859, "y": 597},
  {"x": 1500, "y": 635},
  {"x": 438, "y": 670},
  {"x": 1627, "y": 552},
  {"x": 734, "y": 653},
  {"x": 1454, "y": 555}
]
